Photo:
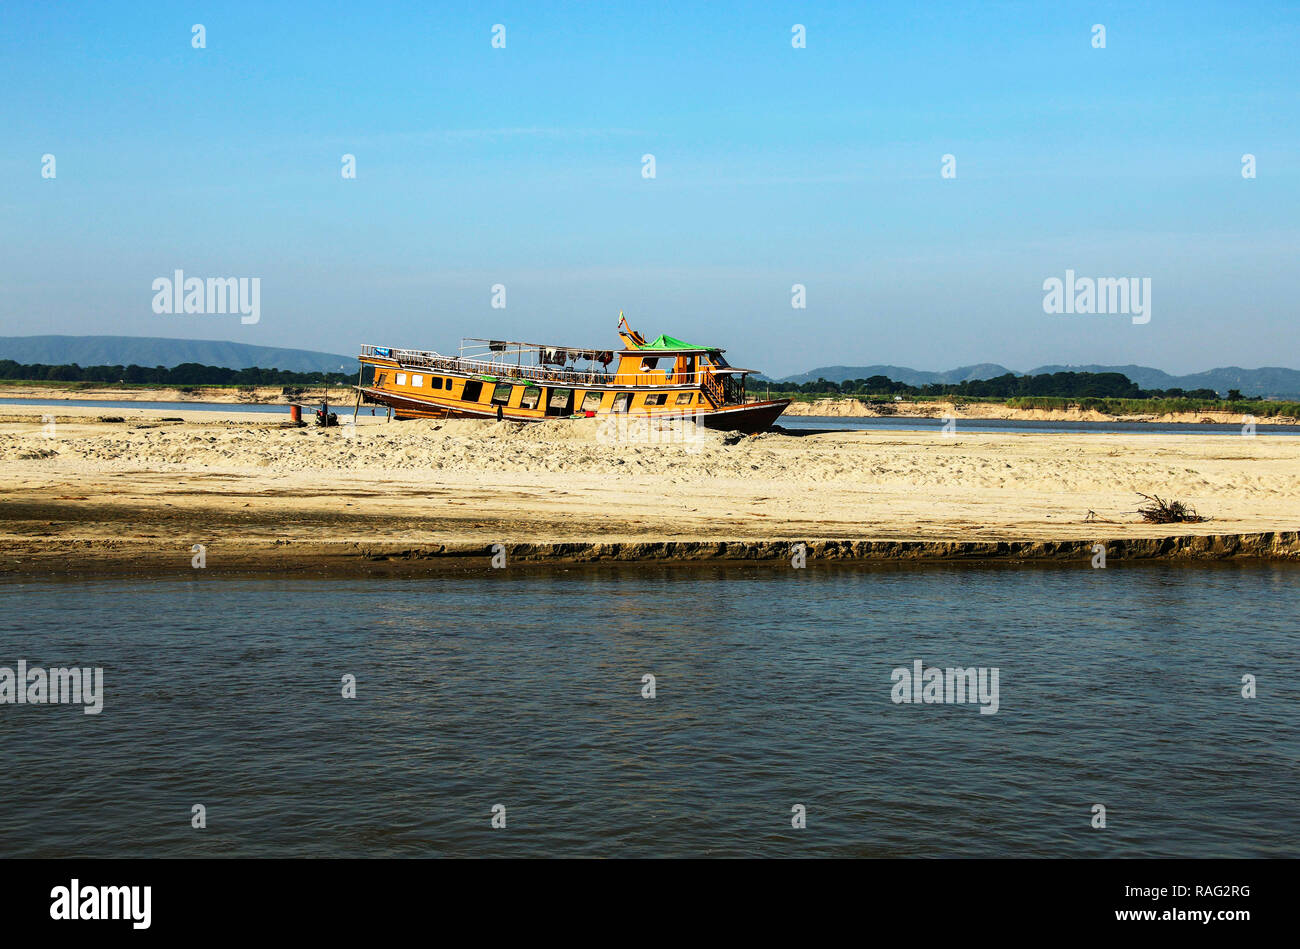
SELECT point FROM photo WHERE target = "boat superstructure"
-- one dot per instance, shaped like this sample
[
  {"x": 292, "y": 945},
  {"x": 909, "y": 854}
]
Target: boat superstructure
[{"x": 531, "y": 382}]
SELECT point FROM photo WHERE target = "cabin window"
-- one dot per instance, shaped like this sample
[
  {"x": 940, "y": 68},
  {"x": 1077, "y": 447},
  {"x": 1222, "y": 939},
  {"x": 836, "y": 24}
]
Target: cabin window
[
  {"x": 591, "y": 401},
  {"x": 417, "y": 381},
  {"x": 649, "y": 363},
  {"x": 560, "y": 402},
  {"x": 473, "y": 389},
  {"x": 401, "y": 378},
  {"x": 448, "y": 383},
  {"x": 684, "y": 398},
  {"x": 656, "y": 398},
  {"x": 529, "y": 399},
  {"x": 435, "y": 382},
  {"x": 501, "y": 394},
  {"x": 379, "y": 380},
  {"x": 621, "y": 402}
]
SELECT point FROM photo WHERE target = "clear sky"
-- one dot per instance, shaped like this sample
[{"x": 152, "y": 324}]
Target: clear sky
[{"x": 774, "y": 166}]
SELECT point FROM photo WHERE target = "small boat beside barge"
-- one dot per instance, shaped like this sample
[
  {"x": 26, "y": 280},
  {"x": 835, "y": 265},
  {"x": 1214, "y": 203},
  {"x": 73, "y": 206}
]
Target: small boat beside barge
[{"x": 664, "y": 378}]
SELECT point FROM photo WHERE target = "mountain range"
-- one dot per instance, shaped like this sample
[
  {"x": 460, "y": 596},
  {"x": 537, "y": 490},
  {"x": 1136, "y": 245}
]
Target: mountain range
[
  {"x": 1270, "y": 382},
  {"x": 155, "y": 351}
]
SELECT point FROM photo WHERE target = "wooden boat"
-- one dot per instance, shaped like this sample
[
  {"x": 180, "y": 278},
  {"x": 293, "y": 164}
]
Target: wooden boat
[{"x": 664, "y": 378}]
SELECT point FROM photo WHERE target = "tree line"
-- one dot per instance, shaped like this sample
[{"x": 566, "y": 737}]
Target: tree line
[
  {"x": 186, "y": 374},
  {"x": 1071, "y": 385}
]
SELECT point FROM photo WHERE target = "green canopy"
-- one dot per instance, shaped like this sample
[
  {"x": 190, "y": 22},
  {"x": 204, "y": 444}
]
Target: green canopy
[{"x": 671, "y": 342}]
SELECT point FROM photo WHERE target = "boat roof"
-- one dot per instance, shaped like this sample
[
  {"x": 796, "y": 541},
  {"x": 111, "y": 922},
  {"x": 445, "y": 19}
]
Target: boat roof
[
  {"x": 661, "y": 344},
  {"x": 666, "y": 343}
]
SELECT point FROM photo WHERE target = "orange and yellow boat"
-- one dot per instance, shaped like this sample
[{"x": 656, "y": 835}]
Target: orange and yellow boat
[{"x": 664, "y": 378}]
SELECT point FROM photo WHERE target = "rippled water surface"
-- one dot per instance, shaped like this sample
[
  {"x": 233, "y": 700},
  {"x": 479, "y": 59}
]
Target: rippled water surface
[{"x": 523, "y": 688}]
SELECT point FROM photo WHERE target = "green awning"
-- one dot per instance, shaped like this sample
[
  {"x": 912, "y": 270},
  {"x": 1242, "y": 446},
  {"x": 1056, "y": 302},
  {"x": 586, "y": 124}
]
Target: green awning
[{"x": 671, "y": 342}]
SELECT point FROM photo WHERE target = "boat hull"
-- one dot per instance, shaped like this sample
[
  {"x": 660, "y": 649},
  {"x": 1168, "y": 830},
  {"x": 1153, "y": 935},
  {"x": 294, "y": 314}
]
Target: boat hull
[{"x": 750, "y": 418}]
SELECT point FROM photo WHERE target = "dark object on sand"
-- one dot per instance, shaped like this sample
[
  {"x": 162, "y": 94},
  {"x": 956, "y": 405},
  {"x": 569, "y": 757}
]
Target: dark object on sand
[
  {"x": 1160, "y": 511},
  {"x": 111, "y": 418},
  {"x": 324, "y": 417}
]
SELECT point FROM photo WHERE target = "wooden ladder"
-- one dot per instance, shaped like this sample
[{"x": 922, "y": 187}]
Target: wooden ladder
[{"x": 713, "y": 390}]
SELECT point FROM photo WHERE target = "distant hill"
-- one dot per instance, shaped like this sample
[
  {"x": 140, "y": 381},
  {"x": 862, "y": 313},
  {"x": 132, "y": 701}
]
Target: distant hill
[
  {"x": 912, "y": 377},
  {"x": 154, "y": 351},
  {"x": 1270, "y": 382}
]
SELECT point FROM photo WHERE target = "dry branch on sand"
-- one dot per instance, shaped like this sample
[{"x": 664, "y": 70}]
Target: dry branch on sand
[{"x": 1160, "y": 511}]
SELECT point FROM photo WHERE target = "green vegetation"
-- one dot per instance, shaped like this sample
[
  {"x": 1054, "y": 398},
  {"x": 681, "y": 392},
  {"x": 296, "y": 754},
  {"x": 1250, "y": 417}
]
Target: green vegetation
[
  {"x": 1112, "y": 393},
  {"x": 1075, "y": 385},
  {"x": 186, "y": 374},
  {"x": 1257, "y": 407}
]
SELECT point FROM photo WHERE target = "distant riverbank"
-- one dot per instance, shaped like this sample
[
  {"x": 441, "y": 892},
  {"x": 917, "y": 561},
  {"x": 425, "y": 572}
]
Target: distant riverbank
[
  {"x": 856, "y": 408},
  {"x": 227, "y": 395},
  {"x": 825, "y": 408}
]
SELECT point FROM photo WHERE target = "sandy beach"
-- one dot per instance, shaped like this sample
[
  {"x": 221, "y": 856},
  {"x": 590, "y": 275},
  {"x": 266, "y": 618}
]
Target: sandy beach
[{"x": 87, "y": 495}]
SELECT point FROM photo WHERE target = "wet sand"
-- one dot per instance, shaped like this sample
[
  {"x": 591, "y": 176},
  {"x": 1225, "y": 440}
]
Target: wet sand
[{"x": 90, "y": 496}]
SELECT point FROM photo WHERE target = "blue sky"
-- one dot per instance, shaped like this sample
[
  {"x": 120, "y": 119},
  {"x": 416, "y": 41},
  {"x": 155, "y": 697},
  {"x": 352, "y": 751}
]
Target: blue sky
[{"x": 774, "y": 166}]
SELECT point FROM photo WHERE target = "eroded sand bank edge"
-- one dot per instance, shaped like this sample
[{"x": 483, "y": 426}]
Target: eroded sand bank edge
[{"x": 343, "y": 557}]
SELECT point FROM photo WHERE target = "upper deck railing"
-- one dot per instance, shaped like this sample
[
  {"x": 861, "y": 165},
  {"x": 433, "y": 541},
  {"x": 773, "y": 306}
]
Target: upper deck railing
[{"x": 427, "y": 359}]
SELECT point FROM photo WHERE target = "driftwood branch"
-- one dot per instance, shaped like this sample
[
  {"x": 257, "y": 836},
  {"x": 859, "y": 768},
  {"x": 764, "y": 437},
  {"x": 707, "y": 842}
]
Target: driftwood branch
[{"x": 1160, "y": 511}]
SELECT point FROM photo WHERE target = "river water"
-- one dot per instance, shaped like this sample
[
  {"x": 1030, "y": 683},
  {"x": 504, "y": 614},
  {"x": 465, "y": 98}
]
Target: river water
[
  {"x": 793, "y": 423},
  {"x": 773, "y": 688}
]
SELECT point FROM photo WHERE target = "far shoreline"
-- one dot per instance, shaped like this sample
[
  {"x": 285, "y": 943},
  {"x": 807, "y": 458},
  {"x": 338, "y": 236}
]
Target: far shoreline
[
  {"x": 843, "y": 407},
  {"x": 999, "y": 412}
]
